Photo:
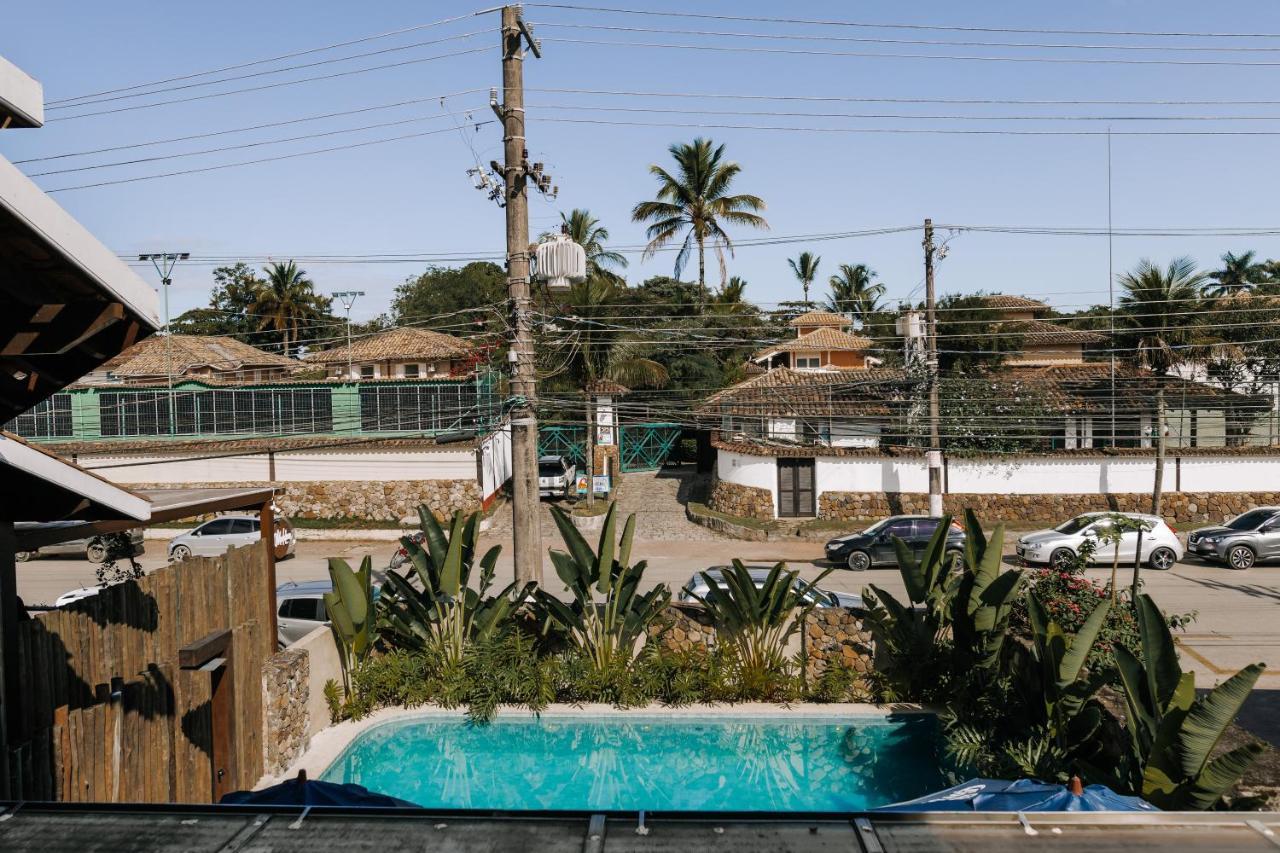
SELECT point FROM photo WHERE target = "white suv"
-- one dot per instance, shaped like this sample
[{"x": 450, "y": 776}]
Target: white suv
[
  {"x": 1161, "y": 548},
  {"x": 213, "y": 538}
]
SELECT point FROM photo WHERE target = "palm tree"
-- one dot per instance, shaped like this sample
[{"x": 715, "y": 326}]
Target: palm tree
[
  {"x": 695, "y": 202},
  {"x": 853, "y": 291},
  {"x": 732, "y": 291},
  {"x": 1158, "y": 313},
  {"x": 285, "y": 299},
  {"x": 805, "y": 268},
  {"x": 1239, "y": 273},
  {"x": 595, "y": 352},
  {"x": 585, "y": 230}
]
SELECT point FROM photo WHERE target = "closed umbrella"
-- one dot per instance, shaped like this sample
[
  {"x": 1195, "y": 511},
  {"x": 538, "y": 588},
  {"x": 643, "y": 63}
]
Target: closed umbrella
[{"x": 1023, "y": 795}]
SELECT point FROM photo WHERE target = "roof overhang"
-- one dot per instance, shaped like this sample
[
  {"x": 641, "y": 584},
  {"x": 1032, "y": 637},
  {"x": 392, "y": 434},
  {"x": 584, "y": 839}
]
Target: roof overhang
[
  {"x": 70, "y": 303},
  {"x": 42, "y": 487},
  {"x": 21, "y": 98}
]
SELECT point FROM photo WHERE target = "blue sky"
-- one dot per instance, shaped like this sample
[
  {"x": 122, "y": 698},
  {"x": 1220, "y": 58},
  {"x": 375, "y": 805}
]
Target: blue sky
[{"x": 413, "y": 196}]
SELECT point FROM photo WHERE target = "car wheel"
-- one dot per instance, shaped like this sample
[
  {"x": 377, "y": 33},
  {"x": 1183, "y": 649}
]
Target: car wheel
[
  {"x": 954, "y": 554},
  {"x": 96, "y": 552},
  {"x": 22, "y": 556},
  {"x": 1162, "y": 559},
  {"x": 1241, "y": 557},
  {"x": 179, "y": 553},
  {"x": 859, "y": 561},
  {"x": 1062, "y": 558}
]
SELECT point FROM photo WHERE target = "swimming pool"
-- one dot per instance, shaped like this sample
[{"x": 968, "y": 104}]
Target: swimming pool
[{"x": 629, "y": 762}]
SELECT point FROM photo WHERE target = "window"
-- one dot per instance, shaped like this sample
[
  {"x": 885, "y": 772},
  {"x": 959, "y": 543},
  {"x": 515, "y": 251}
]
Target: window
[
  {"x": 243, "y": 525},
  {"x": 411, "y": 371},
  {"x": 366, "y": 371},
  {"x": 311, "y": 609},
  {"x": 808, "y": 363},
  {"x": 926, "y": 526},
  {"x": 217, "y": 527},
  {"x": 901, "y": 529}
]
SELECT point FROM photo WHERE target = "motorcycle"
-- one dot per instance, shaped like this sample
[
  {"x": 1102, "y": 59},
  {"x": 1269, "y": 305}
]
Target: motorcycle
[{"x": 401, "y": 556}]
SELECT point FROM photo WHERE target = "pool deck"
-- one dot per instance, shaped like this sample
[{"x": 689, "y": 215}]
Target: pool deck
[{"x": 326, "y": 746}]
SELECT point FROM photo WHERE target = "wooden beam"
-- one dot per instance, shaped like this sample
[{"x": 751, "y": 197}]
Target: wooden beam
[
  {"x": 210, "y": 646},
  {"x": 267, "y": 530},
  {"x": 75, "y": 324}
]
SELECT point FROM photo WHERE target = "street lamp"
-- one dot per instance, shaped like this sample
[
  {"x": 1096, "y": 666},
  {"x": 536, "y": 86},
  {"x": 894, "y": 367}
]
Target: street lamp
[
  {"x": 163, "y": 262},
  {"x": 348, "y": 298}
]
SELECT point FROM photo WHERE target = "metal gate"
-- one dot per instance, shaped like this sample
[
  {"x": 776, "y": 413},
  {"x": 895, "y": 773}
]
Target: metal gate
[
  {"x": 645, "y": 447},
  {"x": 567, "y": 441}
]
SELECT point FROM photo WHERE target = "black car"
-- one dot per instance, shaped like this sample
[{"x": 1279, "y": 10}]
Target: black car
[{"x": 874, "y": 546}]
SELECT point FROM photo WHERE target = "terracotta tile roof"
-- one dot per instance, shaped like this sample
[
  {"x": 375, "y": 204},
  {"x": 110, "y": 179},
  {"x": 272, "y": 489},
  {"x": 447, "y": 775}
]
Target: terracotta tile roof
[
  {"x": 403, "y": 343},
  {"x": 1001, "y": 301},
  {"x": 148, "y": 358},
  {"x": 1044, "y": 333},
  {"x": 818, "y": 393},
  {"x": 607, "y": 387},
  {"x": 822, "y": 338},
  {"x": 1085, "y": 388},
  {"x": 821, "y": 318}
]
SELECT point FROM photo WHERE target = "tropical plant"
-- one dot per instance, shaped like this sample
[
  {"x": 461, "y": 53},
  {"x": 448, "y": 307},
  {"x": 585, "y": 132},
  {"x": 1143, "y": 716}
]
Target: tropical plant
[
  {"x": 1159, "y": 315},
  {"x": 608, "y": 615},
  {"x": 805, "y": 269},
  {"x": 732, "y": 292},
  {"x": 1239, "y": 273},
  {"x": 695, "y": 201},
  {"x": 351, "y": 611},
  {"x": 1112, "y": 534},
  {"x": 983, "y": 596},
  {"x": 1173, "y": 733},
  {"x": 853, "y": 291},
  {"x": 757, "y": 621},
  {"x": 442, "y": 613},
  {"x": 286, "y": 300},
  {"x": 585, "y": 230}
]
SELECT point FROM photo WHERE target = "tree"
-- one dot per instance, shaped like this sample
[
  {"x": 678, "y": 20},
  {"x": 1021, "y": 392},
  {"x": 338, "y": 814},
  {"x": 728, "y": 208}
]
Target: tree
[
  {"x": 473, "y": 294},
  {"x": 732, "y": 291},
  {"x": 229, "y": 311},
  {"x": 696, "y": 202},
  {"x": 1239, "y": 273},
  {"x": 805, "y": 269},
  {"x": 1159, "y": 313},
  {"x": 585, "y": 230},
  {"x": 853, "y": 291},
  {"x": 974, "y": 339},
  {"x": 286, "y": 301}
]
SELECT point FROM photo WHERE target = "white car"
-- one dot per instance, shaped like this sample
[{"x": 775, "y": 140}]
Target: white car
[
  {"x": 557, "y": 477},
  {"x": 213, "y": 538},
  {"x": 1161, "y": 548}
]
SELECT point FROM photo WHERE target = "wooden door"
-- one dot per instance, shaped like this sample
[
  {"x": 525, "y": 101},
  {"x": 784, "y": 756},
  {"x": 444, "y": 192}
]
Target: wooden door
[{"x": 795, "y": 488}]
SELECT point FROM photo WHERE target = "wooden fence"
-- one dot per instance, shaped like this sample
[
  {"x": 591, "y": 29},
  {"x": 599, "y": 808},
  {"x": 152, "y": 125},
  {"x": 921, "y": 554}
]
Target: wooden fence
[{"x": 107, "y": 712}]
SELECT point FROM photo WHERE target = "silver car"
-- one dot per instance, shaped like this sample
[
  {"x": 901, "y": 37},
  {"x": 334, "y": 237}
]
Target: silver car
[
  {"x": 557, "y": 477},
  {"x": 92, "y": 548},
  {"x": 213, "y": 538},
  {"x": 1161, "y": 548},
  {"x": 1242, "y": 541},
  {"x": 697, "y": 588},
  {"x": 300, "y": 610}
]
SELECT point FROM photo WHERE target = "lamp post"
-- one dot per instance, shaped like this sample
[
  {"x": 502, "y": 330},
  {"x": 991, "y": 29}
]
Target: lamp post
[
  {"x": 348, "y": 298},
  {"x": 163, "y": 262}
]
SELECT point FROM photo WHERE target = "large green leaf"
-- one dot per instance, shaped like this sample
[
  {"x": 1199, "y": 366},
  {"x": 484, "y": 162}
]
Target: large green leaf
[
  {"x": 1220, "y": 775},
  {"x": 451, "y": 569},
  {"x": 437, "y": 545},
  {"x": 604, "y": 555},
  {"x": 1159, "y": 655},
  {"x": 578, "y": 547},
  {"x": 912, "y": 573},
  {"x": 1142, "y": 718},
  {"x": 351, "y": 593},
  {"x": 1210, "y": 715},
  {"x": 975, "y": 541},
  {"x": 1073, "y": 661}
]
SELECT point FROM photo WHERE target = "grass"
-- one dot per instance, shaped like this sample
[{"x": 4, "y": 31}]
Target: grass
[{"x": 753, "y": 523}]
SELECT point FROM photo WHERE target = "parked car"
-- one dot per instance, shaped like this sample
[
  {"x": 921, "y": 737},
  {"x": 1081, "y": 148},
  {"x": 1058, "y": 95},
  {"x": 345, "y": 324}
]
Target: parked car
[
  {"x": 92, "y": 548},
  {"x": 1161, "y": 548},
  {"x": 557, "y": 477},
  {"x": 76, "y": 595},
  {"x": 1242, "y": 541},
  {"x": 697, "y": 587},
  {"x": 300, "y": 609},
  {"x": 213, "y": 538},
  {"x": 874, "y": 546}
]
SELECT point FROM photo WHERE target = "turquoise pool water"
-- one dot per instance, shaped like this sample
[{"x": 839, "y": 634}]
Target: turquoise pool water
[{"x": 652, "y": 763}]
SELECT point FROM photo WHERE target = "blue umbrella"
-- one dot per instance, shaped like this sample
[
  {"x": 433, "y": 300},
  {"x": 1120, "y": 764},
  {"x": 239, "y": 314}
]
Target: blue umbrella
[
  {"x": 305, "y": 792},
  {"x": 1024, "y": 795}
]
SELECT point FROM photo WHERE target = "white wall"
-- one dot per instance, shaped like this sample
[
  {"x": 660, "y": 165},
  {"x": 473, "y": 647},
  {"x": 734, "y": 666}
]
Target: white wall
[
  {"x": 1044, "y": 476},
  {"x": 758, "y": 471},
  {"x": 1229, "y": 474},
  {"x": 294, "y": 466},
  {"x": 495, "y": 462},
  {"x": 870, "y": 474}
]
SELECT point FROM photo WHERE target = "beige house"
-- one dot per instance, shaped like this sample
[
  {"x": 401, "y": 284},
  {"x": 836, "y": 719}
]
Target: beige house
[
  {"x": 1044, "y": 344},
  {"x": 821, "y": 343},
  {"x": 401, "y": 353},
  {"x": 209, "y": 358}
]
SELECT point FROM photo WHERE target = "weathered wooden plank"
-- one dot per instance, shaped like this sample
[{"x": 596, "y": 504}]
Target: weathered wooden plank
[{"x": 61, "y": 747}]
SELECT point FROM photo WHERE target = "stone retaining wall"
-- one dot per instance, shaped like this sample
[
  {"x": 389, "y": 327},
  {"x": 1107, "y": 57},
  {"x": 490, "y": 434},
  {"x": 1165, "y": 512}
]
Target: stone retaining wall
[
  {"x": 835, "y": 636},
  {"x": 682, "y": 627},
  {"x": 366, "y": 501},
  {"x": 286, "y": 722},
  {"x": 1185, "y": 507},
  {"x": 741, "y": 501}
]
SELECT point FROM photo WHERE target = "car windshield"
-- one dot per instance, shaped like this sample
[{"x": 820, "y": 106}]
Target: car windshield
[
  {"x": 1076, "y": 524},
  {"x": 547, "y": 469},
  {"x": 1250, "y": 520}
]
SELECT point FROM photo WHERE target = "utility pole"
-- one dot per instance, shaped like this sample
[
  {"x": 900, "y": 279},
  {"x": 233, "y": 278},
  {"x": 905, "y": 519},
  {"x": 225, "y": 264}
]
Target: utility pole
[
  {"x": 163, "y": 262},
  {"x": 348, "y": 298},
  {"x": 934, "y": 454},
  {"x": 526, "y": 527}
]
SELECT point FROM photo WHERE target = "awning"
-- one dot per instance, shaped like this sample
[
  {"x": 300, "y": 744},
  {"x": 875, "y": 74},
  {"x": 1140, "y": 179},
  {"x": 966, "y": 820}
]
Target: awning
[
  {"x": 21, "y": 98},
  {"x": 39, "y": 486}
]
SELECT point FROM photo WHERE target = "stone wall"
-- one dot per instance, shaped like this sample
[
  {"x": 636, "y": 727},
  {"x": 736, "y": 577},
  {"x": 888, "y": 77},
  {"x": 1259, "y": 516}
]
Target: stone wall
[
  {"x": 371, "y": 501},
  {"x": 286, "y": 720},
  {"x": 1184, "y": 507},
  {"x": 741, "y": 501},
  {"x": 835, "y": 636},
  {"x": 682, "y": 627}
]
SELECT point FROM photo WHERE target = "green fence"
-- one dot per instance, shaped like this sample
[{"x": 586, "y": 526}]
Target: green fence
[{"x": 643, "y": 447}]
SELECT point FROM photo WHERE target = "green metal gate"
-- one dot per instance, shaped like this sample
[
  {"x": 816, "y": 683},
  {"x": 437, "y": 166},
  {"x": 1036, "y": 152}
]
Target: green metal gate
[
  {"x": 567, "y": 441},
  {"x": 644, "y": 447}
]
